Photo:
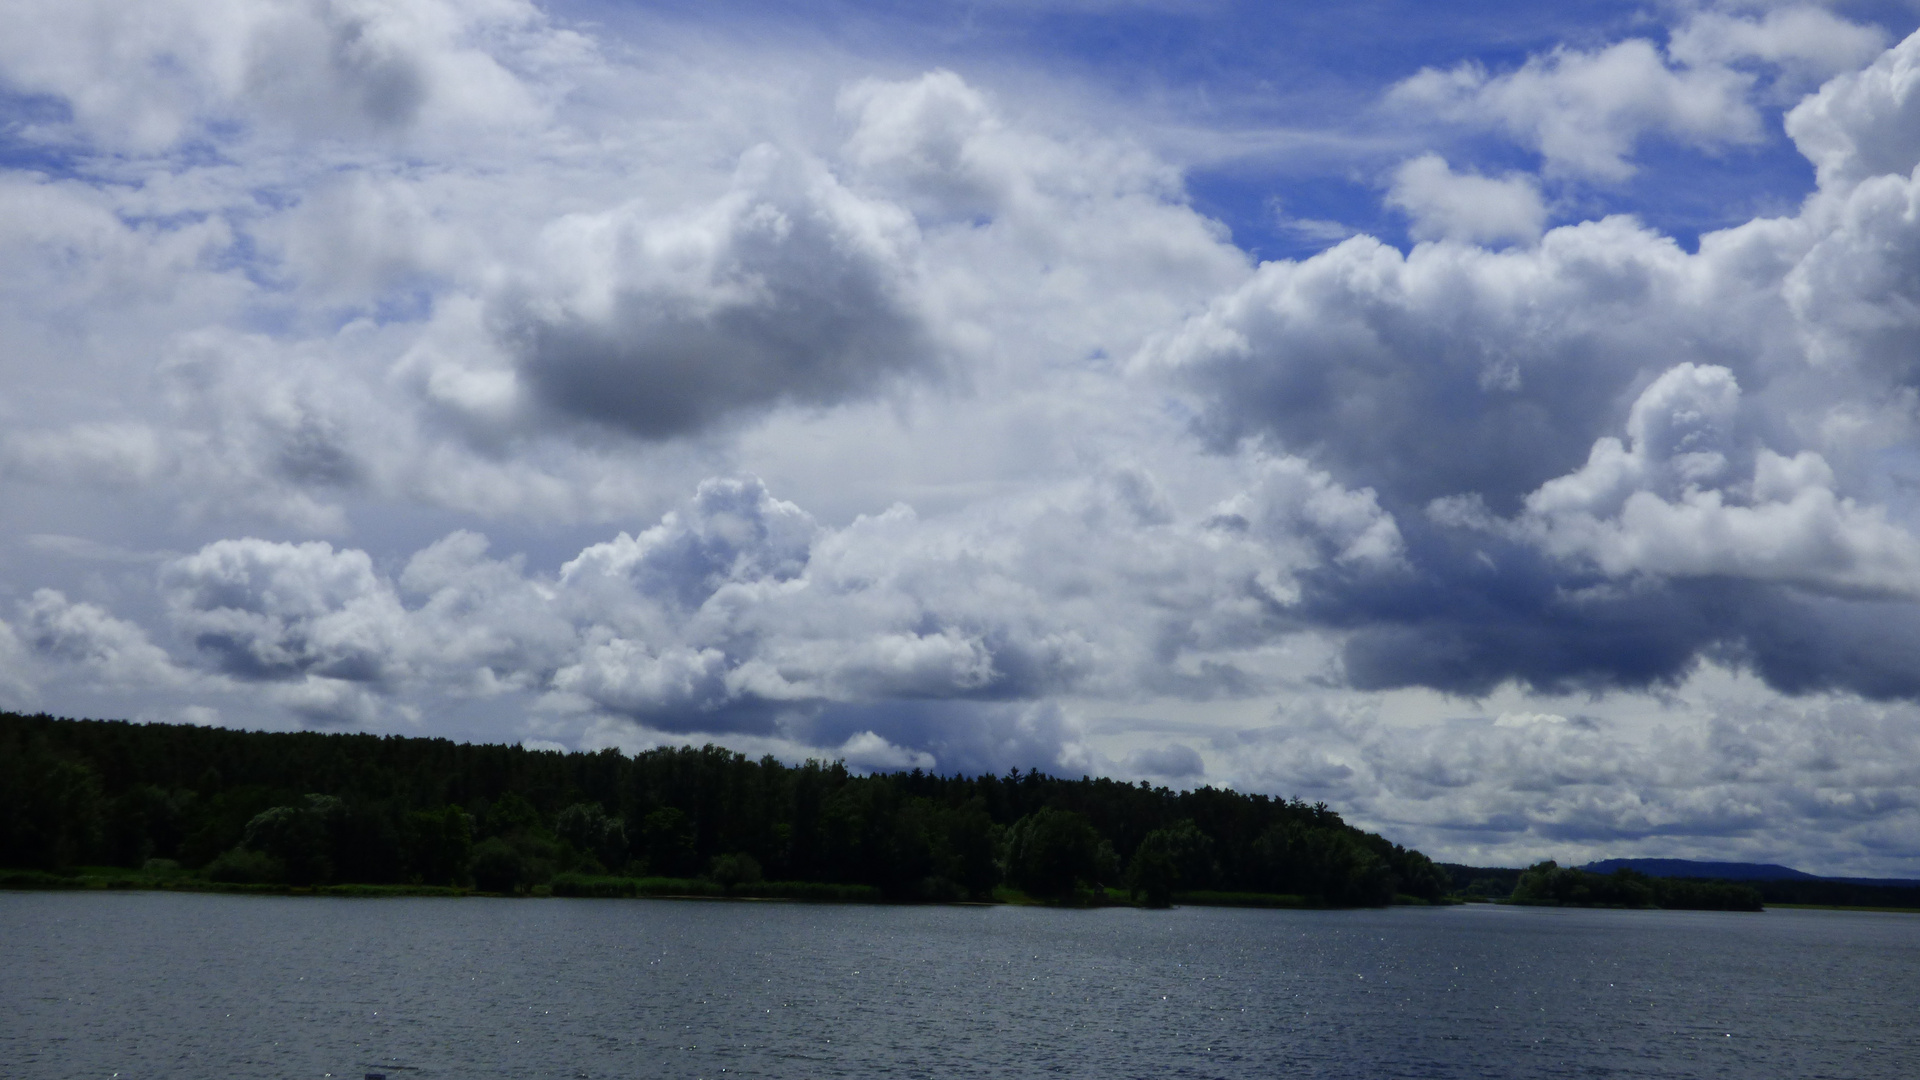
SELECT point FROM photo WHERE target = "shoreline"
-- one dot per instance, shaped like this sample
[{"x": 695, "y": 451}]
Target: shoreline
[
  {"x": 44, "y": 881},
  {"x": 635, "y": 889}
]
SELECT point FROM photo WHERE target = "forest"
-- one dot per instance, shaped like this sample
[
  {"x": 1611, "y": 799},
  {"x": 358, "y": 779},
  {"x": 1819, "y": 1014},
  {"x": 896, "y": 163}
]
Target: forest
[
  {"x": 1548, "y": 883},
  {"x": 312, "y": 809}
]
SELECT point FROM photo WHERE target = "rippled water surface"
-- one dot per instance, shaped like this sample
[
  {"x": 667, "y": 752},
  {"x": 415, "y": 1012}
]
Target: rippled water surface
[{"x": 203, "y": 986}]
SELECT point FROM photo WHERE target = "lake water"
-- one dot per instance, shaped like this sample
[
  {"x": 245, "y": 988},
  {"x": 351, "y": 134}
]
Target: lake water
[{"x": 210, "y": 987}]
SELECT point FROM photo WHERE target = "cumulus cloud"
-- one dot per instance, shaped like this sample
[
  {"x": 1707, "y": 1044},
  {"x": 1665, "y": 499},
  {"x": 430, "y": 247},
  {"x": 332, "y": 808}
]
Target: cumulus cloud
[
  {"x": 1446, "y": 370},
  {"x": 1761, "y": 385},
  {"x": 740, "y": 613},
  {"x": 334, "y": 68},
  {"x": 86, "y": 636},
  {"x": 1671, "y": 502},
  {"x": 1809, "y": 43},
  {"x": 790, "y": 289},
  {"x": 1039, "y": 442},
  {"x": 1713, "y": 780},
  {"x": 937, "y": 138},
  {"x": 1860, "y": 124},
  {"x": 1446, "y": 205},
  {"x": 1585, "y": 111},
  {"x": 265, "y": 610},
  {"x": 740, "y": 606},
  {"x": 875, "y": 754}
]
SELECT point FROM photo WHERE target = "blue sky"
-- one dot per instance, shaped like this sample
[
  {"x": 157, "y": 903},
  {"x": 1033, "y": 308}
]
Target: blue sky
[
  {"x": 1495, "y": 420},
  {"x": 1255, "y": 70}
]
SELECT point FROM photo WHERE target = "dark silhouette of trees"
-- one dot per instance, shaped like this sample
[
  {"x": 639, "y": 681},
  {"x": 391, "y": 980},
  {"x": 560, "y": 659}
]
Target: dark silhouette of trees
[
  {"x": 1051, "y": 853},
  {"x": 1550, "y": 883},
  {"x": 312, "y": 808},
  {"x": 1178, "y": 857},
  {"x": 587, "y": 827},
  {"x": 301, "y": 839},
  {"x": 738, "y": 868},
  {"x": 439, "y": 845}
]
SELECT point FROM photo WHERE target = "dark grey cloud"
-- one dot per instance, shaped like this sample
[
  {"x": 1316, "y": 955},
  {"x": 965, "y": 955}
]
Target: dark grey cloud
[
  {"x": 1451, "y": 370},
  {"x": 1460, "y": 627},
  {"x": 1174, "y": 762},
  {"x": 1456, "y": 624},
  {"x": 312, "y": 452},
  {"x": 332, "y": 68},
  {"x": 790, "y": 290},
  {"x": 1813, "y": 644}
]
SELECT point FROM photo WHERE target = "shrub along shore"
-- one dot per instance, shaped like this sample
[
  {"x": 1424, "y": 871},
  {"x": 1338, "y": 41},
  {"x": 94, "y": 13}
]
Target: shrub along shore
[{"x": 112, "y": 804}]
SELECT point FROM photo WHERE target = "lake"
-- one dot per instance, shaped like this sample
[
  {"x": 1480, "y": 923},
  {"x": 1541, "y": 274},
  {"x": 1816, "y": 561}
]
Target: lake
[{"x": 212, "y": 986}]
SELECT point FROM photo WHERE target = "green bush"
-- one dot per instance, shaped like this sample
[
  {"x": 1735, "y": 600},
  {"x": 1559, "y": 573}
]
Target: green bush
[
  {"x": 728, "y": 871},
  {"x": 244, "y": 866},
  {"x": 1053, "y": 852}
]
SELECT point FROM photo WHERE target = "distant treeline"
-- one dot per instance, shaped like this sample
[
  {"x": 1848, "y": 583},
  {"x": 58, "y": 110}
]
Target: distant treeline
[
  {"x": 1549, "y": 883},
  {"x": 1839, "y": 892},
  {"x": 1480, "y": 882},
  {"x": 1498, "y": 883},
  {"x": 307, "y": 808}
]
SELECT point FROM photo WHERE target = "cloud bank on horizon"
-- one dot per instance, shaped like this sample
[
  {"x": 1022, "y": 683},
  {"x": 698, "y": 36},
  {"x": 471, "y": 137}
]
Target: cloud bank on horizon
[{"x": 599, "y": 376}]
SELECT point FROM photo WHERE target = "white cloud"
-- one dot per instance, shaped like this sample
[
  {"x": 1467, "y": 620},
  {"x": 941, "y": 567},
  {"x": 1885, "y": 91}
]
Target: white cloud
[
  {"x": 739, "y": 613},
  {"x": 1715, "y": 770},
  {"x": 1039, "y": 443},
  {"x": 1670, "y": 501},
  {"x": 1446, "y": 205},
  {"x": 1765, "y": 387},
  {"x": 113, "y": 455},
  {"x": 1861, "y": 123},
  {"x": 875, "y": 754},
  {"x": 339, "y": 67},
  {"x": 1811, "y": 43},
  {"x": 265, "y": 610},
  {"x": 1585, "y": 111},
  {"x": 87, "y": 636}
]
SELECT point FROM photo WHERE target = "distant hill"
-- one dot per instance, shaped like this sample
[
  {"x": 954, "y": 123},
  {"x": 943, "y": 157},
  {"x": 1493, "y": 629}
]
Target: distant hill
[{"x": 1689, "y": 868}]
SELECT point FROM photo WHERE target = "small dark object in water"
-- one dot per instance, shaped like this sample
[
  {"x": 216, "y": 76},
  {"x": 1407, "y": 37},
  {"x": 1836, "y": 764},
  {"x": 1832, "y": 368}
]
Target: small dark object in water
[{"x": 376, "y": 1076}]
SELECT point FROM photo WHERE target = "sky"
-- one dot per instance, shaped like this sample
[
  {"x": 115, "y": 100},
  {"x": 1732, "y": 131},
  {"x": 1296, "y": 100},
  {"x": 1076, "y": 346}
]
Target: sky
[{"x": 1495, "y": 420}]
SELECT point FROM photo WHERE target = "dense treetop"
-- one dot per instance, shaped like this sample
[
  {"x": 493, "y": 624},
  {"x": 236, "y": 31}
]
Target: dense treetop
[{"x": 308, "y": 807}]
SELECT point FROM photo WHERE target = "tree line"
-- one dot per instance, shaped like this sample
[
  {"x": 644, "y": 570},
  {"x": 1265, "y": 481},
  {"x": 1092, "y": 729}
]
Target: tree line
[
  {"x": 1550, "y": 883},
  {"x": 310, "y": 808}
]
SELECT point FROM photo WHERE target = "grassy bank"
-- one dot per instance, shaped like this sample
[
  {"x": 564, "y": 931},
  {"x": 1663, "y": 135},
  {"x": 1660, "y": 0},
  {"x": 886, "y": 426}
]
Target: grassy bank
[
  {"x": 1849, "y": 907},
  {"x": 610, "y": 887},
  {"x": 100, "y": 878}
]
